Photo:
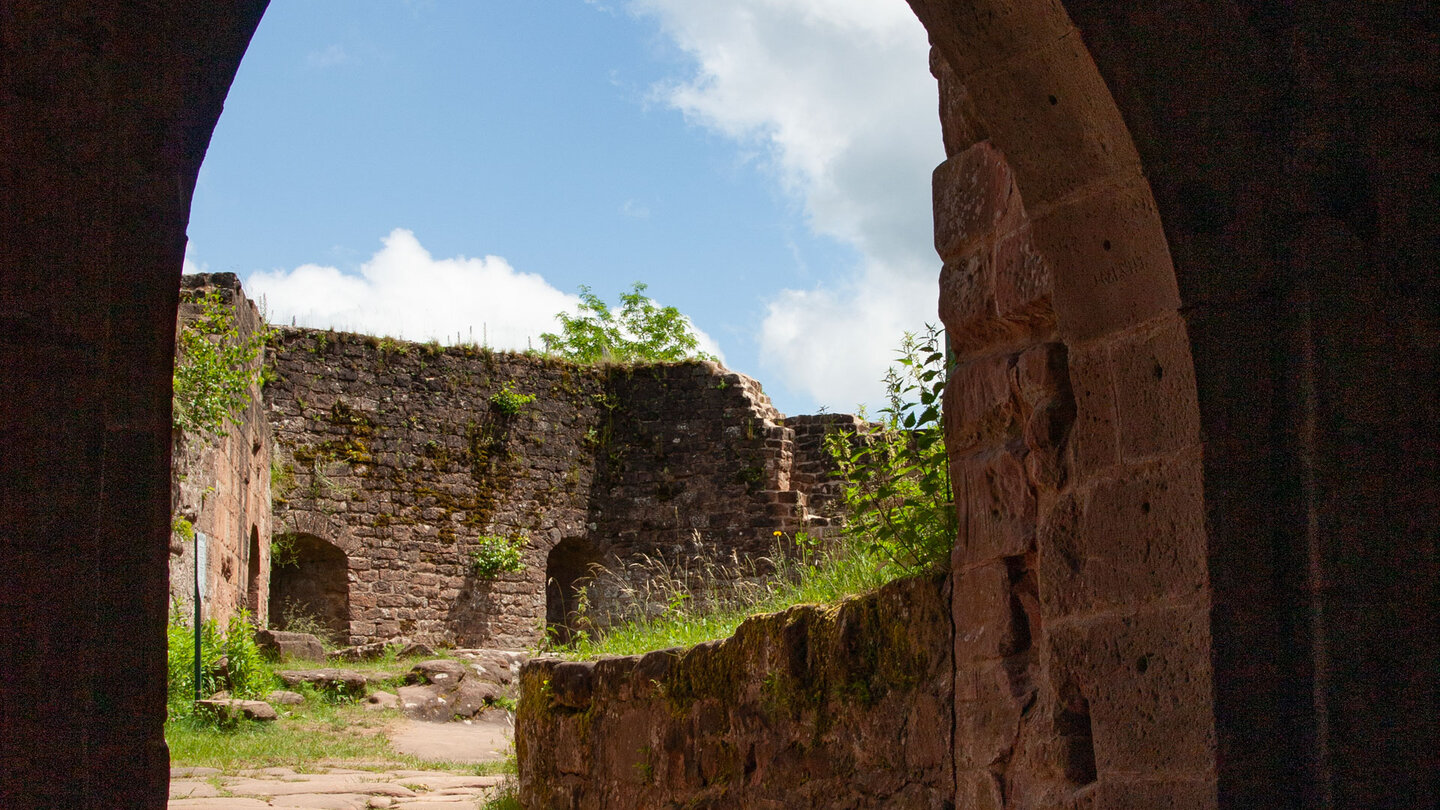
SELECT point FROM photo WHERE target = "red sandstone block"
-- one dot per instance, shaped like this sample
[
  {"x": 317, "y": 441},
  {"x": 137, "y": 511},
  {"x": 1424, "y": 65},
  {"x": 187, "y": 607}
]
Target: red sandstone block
[
  {"x": 978, "y": 414},
  {"x": 1127, "y": 541},
  {"x": 1110, "y": 260},
  {"x": 1146, "y": 678},
  {"x": 997, "y": 508},
  {"x": 1023, "y": 282},
  {"x": 1053, "y": 116},
  {"x": 987, "y": 715},
  {"x": 967, "y": 302},
  {"x": 985, "y": 621},
  {"x": 1094, "y": 438},
  {"x": 974, "y": 199},
  {"x": 979, "y": 789},
  {"x": 1155, "y": 390},
  {"x": 960, "y": 128},
  {"x": 982, "y": 33}
]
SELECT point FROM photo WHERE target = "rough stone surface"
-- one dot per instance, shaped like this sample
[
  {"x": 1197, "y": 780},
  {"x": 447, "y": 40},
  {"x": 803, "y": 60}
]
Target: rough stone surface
[
  {"x": 283, "y": 645},
  {"x": 396, "y": 461},
  {"x": 342, "y": 682},
  {"x": 222, "y": 486},
  {"x": 810, "y": 708},
  {"x": 227, "y": 709}
]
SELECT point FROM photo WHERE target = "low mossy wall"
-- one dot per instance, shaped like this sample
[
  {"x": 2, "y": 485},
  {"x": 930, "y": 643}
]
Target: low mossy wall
[{"x": 815, "y": 707}]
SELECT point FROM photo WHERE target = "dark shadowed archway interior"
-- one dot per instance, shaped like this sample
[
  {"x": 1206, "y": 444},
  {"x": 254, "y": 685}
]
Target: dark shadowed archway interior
[
  {"x": 253, "y": 594},
  {"x": 311, "y": 587},
  {"x": 566, "y": 570}
]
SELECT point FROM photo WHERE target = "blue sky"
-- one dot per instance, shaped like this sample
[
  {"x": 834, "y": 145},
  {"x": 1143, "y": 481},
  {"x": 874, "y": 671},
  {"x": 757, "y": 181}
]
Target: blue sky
[{"x": 434, "y": 168}]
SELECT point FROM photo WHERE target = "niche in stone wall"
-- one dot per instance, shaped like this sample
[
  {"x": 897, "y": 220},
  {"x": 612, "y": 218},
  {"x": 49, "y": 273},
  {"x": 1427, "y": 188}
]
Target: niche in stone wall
[
  {"x": 252, "y": 573},
  {"x": 309, "y": 587},
  {"x": 567, "y": 570}
]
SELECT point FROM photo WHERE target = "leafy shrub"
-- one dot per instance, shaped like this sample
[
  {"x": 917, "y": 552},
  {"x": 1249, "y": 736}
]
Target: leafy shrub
[
  {"x": 643, "y": 332},
  {"x": 215, "y": 369},
  {"x": 898, "y": 494},
  {"x": 507, "y": 402},
  {"x": 494, "y": 555},
  {"x": 244, "y": 673}
]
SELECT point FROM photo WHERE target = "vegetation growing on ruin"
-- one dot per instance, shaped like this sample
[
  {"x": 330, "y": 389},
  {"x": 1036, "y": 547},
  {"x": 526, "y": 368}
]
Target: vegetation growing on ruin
[
  {"x": 900, "y": 522},
  {"x": 494, "y": 555},
  {"x": 229, "y": 660},
  {"x": 898, "y": 496},
  {"x": 215, "y": 369},
  {"x": 508, "y": 402},
  {"x": 708, "y": 600},
  {"x": 642, "y": 331}
]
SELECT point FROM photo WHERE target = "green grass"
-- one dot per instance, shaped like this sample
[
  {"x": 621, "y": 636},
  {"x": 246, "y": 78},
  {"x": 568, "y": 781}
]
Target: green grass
[
  {"x": 315, "y": 735},
  {"x": 817, "y": 576}
]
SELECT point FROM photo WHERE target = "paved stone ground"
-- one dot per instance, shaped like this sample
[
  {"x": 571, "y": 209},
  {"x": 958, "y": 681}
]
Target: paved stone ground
[
  {"x": 335, "y": 789},
  {"x": 350, "y": 788}
]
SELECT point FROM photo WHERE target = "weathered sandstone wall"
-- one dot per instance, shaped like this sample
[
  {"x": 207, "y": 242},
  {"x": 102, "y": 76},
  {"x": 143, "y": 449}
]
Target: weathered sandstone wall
[
  {"x": 394, "y": 460},
  {"x": 816, "y": 707},
  {"x": 222, "y": 486},
  {"x": 1081, "y": 602}
]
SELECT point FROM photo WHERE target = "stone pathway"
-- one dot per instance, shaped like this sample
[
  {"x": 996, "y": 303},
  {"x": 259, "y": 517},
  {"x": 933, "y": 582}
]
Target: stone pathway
[
  {"x": 349, "y": 788},
  {"x": 335, "y": 789}
]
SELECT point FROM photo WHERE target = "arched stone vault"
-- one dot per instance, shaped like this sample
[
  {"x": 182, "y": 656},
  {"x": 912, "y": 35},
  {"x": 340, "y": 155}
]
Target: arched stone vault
[{"x": 1280, "y": 157}]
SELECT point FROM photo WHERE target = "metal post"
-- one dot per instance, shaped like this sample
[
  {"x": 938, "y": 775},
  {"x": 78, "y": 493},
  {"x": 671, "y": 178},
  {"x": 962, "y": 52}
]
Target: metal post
[{"x": 197, "y": 617}]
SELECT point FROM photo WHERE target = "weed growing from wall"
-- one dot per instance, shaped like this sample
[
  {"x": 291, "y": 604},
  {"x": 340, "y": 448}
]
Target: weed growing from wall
[
  {"x": 898, "y": 494},
  {"x": 215, "y": 370},
  {"x": 494, "y": 555},
  {"x": 508, "y": 402}
]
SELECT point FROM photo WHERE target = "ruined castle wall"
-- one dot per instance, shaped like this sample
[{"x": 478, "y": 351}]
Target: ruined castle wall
[
  {"x": 815, "y": 707},
  {"x": 394, "y": 454},
  {"x": 222, "y": 486}
]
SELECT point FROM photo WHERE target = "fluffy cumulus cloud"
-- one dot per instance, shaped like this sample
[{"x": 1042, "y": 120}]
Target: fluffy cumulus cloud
[
  {"x": 404, "y": 292},
  {"x": 838, "y": 93}
]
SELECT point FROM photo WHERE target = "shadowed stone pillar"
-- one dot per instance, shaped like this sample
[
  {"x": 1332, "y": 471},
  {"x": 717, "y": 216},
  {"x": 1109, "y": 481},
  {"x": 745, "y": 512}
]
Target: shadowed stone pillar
[{"x": 105, "y": 113}]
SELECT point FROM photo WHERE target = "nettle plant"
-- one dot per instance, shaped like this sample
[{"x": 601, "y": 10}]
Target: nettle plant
[
  {"x": 897, "y": 478},
  {"x": 215, "y": 370},
  {"x": 494, "y": 555}
]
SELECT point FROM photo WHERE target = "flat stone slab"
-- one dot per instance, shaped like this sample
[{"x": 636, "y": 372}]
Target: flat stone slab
[
  {"x": 335, "y": 789},
  {"x": 485, "y": 739}
]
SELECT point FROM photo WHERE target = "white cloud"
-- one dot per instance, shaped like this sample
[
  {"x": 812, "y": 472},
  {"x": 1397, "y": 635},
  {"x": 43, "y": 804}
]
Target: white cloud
[
  {"x": 404, "y": 292},
  {"x": 189, "y": 267},
  {"x": 838, "y": 94},
  {"x": 331, "y": 56},
  {"x": 635, "y": 210}
]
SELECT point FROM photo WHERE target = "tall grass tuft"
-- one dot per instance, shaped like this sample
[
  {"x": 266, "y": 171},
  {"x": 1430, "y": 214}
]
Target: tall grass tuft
[{"x": 708, "y": 599}]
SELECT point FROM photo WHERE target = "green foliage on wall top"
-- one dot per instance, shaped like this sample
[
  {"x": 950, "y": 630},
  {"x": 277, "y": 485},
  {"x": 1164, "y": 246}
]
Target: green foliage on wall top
[
  {"x": 642, "y": 331},
  {"x": 215, "y": 370}
]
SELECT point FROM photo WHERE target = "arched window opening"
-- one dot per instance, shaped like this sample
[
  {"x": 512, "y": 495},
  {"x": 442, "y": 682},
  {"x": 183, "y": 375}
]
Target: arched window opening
[
  {"x": 309, "y": 588},
  {"x": 253, "y": 595}
]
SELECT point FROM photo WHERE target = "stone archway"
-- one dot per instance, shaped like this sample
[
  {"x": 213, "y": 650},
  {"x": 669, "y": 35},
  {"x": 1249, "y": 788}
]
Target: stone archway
[
  {"x": 567, "y": 568},
  {"x": 312, "y": 586},
  {"x": 1284, "y": 147}
]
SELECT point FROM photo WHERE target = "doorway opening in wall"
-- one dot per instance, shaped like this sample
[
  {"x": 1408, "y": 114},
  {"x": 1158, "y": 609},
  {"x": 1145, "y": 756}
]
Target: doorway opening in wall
[
  {"x": 310, "y": 592},
  {"x": 457, "y": 172},
  {"x": 568, "y": 568}
]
